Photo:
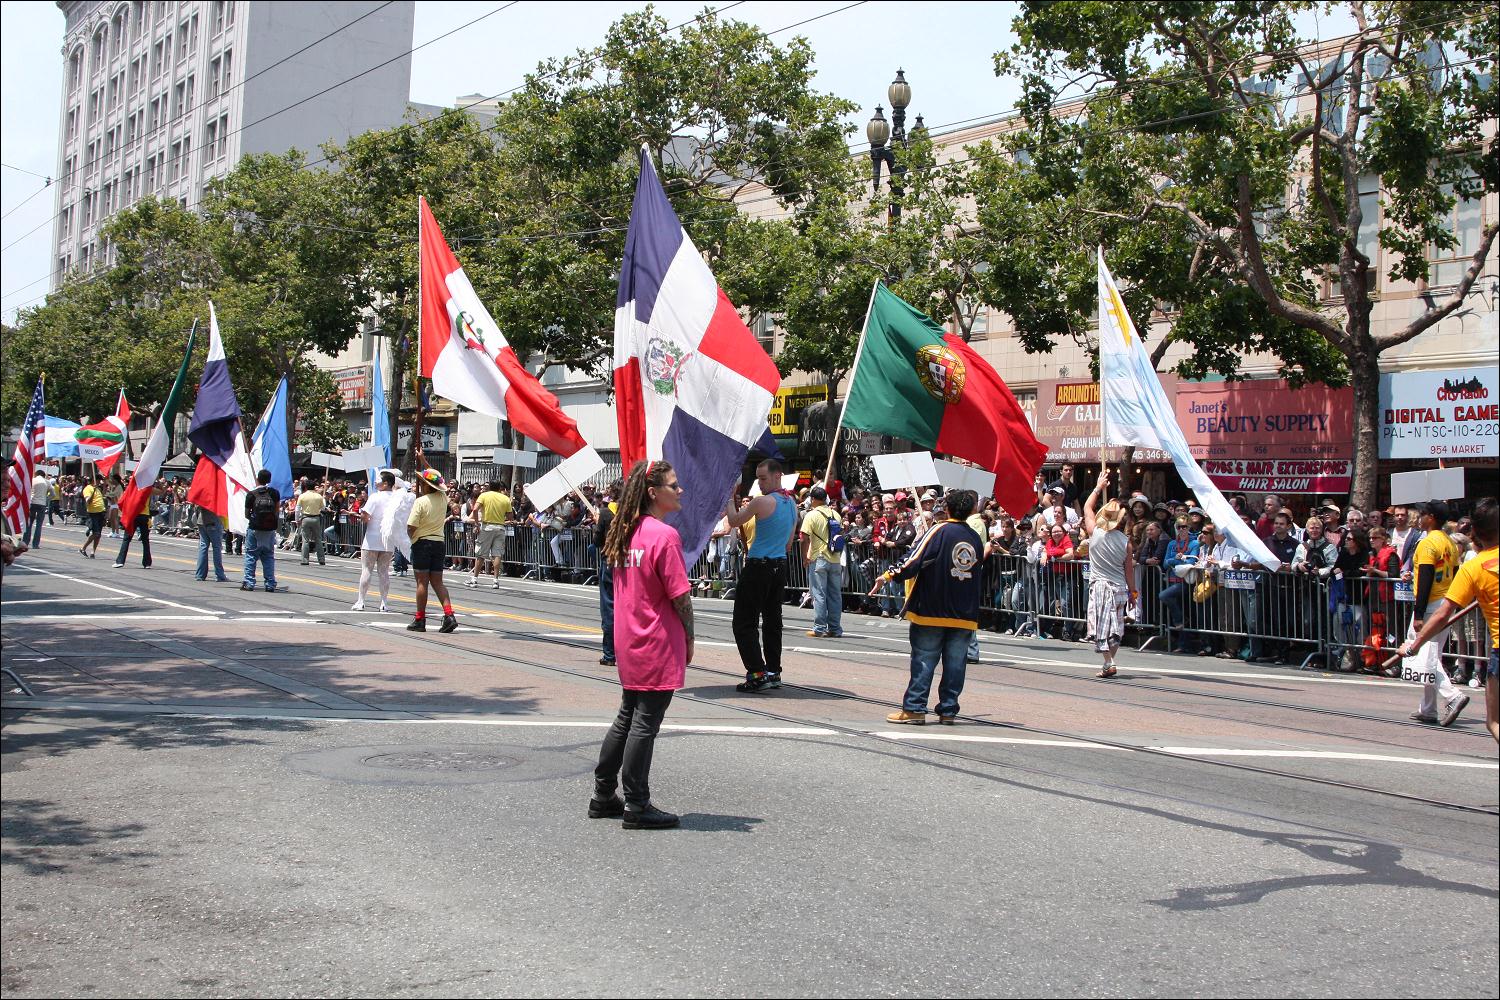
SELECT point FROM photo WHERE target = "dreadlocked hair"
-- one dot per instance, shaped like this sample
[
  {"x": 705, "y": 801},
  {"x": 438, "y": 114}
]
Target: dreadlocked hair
[{"x": 633, "y": 505}]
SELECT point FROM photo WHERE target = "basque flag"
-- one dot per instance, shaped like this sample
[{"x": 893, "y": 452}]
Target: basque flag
[
  {"x": 224, "y": 472},
  {"x": 693, "y": 387},
  {"x": 468, "y": 358}
]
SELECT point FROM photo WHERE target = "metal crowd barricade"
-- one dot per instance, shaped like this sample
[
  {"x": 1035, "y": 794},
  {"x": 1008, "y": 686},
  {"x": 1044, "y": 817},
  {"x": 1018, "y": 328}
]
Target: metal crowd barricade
[{"x": 1375, "y": 617}]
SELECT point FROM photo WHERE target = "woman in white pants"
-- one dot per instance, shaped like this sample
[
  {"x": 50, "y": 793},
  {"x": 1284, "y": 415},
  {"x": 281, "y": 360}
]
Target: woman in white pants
[{"x": 379, "y": 516}]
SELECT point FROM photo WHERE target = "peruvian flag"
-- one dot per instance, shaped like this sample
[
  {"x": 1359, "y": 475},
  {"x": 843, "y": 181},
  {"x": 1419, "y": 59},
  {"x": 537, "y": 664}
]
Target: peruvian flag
[
  {"x": 103, "y": 443},
  {"x": 224, "y": 473},
  {"x": 469, "y": 360}
]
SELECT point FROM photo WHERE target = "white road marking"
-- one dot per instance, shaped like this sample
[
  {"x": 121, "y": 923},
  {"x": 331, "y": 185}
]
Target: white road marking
[
  {"x": 369, "y": 611},
  {"x": 69, "y": 600},
  {"x": 961, "y": 738},
  {"x": 1323, "y": 755},
  {"x": 461, "y": 628},
  {"x": 120, "y": 616},
  {"x": 117, "y": 590}
]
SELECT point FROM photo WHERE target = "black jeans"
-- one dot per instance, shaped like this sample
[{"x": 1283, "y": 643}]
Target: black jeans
[
  {"x": 757, "y": 614},
  {"x": 628, "y": 745},
  {"x": 142, "y": 527}
]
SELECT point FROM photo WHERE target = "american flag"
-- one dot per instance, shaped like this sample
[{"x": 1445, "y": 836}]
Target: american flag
[{"x": 31, "y": 447}]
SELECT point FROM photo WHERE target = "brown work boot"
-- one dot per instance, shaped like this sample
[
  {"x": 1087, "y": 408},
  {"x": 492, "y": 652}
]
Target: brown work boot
[{"x": 902, "y": 717}]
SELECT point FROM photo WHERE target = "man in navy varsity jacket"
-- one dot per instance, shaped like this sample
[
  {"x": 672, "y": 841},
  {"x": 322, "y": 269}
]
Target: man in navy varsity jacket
[{"x": 943, "y": 608}]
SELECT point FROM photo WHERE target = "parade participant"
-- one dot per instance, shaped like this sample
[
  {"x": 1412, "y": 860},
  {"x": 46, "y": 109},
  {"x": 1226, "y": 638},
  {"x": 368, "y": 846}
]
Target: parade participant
[
  {"x": 425, "y": 524},
  {"x": 41, "y": 492},
  {"x": 1111, "y": 573},
  {"x": 113, "y": 491},
  {"x": 379, "y": 515},
  {"x": 94, "y": 505},
  {"x": 943, "y": 609},
  {"x": 262, "y": 513},
  {"x": 142, "y": 527},
  {"x": 1436, "y": 562},
  {"x": 653, "y": 642},
  {"x": 310, "y": 505},
  {"x": 758, "y": 594},
  {"x": 491, "y": 510},
  {"x": 1476, "y": 581},
  {"x": 823, "y": 555},
  {"x": 210, "y": 539},
  {"x": 607, "y": 514}
]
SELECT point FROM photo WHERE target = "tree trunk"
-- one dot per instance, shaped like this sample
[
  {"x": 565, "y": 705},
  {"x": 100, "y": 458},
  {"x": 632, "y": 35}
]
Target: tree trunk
[
  {"x": 1364, "y": 376},
  {"x": 831, "y": 423},
  {"x": 397, "y": 383}
]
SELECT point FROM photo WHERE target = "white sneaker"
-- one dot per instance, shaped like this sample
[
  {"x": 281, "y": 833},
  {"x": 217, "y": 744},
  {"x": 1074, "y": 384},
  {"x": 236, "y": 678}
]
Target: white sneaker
[
  {"x": 357, "y": 606},
  {"x": 1473, "y": 682},
  {"x": 472, "y": 582},
  {"x": 497, "y": 587},
  {"x": 384, "y": 609}
]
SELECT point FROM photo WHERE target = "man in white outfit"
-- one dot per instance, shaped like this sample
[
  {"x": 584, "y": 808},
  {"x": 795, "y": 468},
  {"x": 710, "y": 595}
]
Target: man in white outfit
[{"x": 381, "y": 523}]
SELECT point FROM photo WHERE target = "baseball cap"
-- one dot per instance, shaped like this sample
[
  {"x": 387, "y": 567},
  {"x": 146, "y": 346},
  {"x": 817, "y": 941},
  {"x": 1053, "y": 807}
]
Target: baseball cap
[
  {"x": 929, "y": 495},
  {"x": 1197, "y": 510}
]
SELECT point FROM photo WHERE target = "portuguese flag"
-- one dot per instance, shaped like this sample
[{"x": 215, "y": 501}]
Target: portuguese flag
[{"x": 912, "y": 380}]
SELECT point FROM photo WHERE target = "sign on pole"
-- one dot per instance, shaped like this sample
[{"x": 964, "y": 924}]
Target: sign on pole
[
  {"x": 898, "y": 472},
  {"x": 570, "y": 473},
  {"x": 513, "y": 456},
  {"x": 964, "y": 477},
  {"x": 1426, "y": 484}
]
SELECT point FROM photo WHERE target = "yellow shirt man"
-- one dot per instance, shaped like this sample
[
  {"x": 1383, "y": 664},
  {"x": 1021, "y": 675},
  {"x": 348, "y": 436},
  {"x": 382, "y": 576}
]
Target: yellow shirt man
[
  {"x": 428, "y": 515},
  {"x": 93, "y": 497},
  {"x": 310, "y": 503},
  {"x": 815, "y": 525},
  {"x": 1437, "y": 550},
  {"x": 494, "y": 508},
  {"x": 1479, "y": 580}
]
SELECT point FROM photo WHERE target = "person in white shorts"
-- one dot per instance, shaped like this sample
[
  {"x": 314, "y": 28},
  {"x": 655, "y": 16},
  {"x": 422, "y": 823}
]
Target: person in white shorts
[{"x": 491, "y": 510}]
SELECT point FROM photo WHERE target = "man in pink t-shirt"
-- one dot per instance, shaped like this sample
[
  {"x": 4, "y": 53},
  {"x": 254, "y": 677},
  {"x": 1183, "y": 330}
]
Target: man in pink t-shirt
[{"x": 653, "y": 631}]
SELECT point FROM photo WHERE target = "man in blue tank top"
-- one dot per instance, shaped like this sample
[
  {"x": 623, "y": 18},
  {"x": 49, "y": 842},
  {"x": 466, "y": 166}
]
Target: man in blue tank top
[{"x": 757, "y": 597}]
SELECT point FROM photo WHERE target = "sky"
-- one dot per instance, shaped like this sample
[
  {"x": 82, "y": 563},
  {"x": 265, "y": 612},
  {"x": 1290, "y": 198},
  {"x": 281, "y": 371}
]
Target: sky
[{"x": 946, "y": 49}]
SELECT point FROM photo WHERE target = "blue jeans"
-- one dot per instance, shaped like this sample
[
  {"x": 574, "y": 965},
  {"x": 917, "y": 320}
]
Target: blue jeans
[
  {"x": 826, "y": 581},
  {"x": 929, "y": 643},
  {"x": 210, "y": 536},
  {"x": 33, "y": 535},
  {"x": 607, "y": 608},
  {"x": 260, "y": 546}
]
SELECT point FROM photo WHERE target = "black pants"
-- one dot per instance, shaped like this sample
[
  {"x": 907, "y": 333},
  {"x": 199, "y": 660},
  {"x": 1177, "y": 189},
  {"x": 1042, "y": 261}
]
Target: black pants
[
  {"x": 143, "y": 527},
  {"x": 757, "y": 614},
  {"x": 628, "y": 745}
]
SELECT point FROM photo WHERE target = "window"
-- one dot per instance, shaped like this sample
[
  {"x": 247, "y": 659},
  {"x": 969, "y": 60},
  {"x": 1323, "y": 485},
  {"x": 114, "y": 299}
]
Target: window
[
  {"x": 188, "y": 107},
  {"x": 215, "y": 69},
  {"x": 93, "y": 107},
  {"x": 75, "y": 70},
  {"x": 228, "y": 58},
  {"x": 118, "y": 27},
  {"x": 193, "y": 34},
  {"x": 218, "y": 16},
  {"x": 179, "y": 93},
  {"x": 765, "y": 332},
  {"x": 211, "y": 141},
  {"x": 159, "y": 56},
  {"x": 174, "y": 167},
  {"x": 83, "y": 256},
  {"x": 1335, "y": 93},
  {"x": 1465, "y": 219},
  {"x": 67, "y": 220},
  {"x": 980, "y": 330},
  {"x": 88, "y": 209},
  {"x": 72, "y": 124},
  {"x": 229, "y": 13},
  {"x": 151, "y": 173},
  {"x": 182, "y": 41},
  {"x": 98, "y": 59}
]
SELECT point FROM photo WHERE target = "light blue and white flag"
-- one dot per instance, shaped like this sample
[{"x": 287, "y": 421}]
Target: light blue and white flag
[
  {"x": 1135, "y": 411},
  {"x": 380, "y": 419},
  {"x": 268, "y": 446},
  {"x": 60, "y": 440}
]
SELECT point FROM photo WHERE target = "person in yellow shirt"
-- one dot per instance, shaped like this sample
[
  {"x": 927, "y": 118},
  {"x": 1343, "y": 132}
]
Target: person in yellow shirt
[
  {"x": 94, "y": 504},
  {"x": 1435, "y": 563},
  {"x": 1476, "y": 582},
  {"x": 425, "y": 527},
  {"x": 310, "y": 522},
  {"x": 492, "y": 509}
]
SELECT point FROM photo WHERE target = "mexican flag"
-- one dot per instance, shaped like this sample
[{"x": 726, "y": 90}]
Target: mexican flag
[
  {"x": 914, "y": 381},
  {"x": 137, "y": 495},
  {"x": 103, "y": 443}
]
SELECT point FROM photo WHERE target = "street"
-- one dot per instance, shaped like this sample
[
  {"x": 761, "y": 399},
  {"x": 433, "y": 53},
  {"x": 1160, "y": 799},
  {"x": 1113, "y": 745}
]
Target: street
[{"x": 245, "y": 794}]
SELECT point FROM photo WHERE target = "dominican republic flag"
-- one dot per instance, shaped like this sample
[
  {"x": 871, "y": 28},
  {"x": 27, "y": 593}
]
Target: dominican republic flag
[
  {"x": 224, "y": 473},
  {"x": 143, "y": 479},
  {"x": 692, "y": 385},
  {"x": 468, "y": 358},
  {"x": 103, "y": 443},
  {"x": 30, "y": 450}
]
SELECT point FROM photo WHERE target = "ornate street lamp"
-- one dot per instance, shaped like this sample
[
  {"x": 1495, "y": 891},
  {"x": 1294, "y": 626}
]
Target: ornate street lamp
[{"x": 878, "y": 131}]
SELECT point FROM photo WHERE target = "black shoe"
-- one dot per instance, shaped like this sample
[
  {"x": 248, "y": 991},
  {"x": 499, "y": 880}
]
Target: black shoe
[
  {"x": 606, "y": 661},
  {"x": 246, "y": 586},
  {"x": 450, "y": 624},
  {"x": 773, "y": 681},
  {"x": 753, "y": 684},
  {"x": 612, "y": 808},
  {"x": 417, "y": 625},
  {"x": 650, "y": 818}
]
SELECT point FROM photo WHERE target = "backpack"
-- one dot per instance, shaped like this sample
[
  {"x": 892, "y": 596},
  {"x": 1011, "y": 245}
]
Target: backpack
[
  {"x": 837, "y": 541},
  {"x": 264, "y": 512}
]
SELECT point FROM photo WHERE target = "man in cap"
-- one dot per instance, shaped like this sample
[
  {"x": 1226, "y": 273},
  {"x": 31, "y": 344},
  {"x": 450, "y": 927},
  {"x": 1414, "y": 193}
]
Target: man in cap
[
  {"x": 943, "y": 609},
  {"x": 425, "y": 524},
  {"x": 823, "y": 554}
]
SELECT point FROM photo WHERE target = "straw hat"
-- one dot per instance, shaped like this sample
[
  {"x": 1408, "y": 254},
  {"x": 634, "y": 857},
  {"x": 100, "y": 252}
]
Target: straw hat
[{"x": 1110, "y": 516}]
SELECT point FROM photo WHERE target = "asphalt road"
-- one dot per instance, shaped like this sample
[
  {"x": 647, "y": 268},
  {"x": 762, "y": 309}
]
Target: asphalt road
[{"x": 217, "y": 793}]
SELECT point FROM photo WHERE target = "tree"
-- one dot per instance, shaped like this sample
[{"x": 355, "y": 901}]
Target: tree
[{"x": 1264, "y": 150}]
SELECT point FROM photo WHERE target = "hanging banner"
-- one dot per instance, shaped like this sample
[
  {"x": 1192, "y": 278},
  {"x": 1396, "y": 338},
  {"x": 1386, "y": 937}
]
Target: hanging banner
[
  {"x": 1448, "y": 413},
  {"x": 1280, "y": 475}
]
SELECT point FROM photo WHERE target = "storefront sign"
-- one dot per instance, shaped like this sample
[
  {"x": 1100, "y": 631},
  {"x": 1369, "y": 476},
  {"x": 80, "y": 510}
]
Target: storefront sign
[
  {"x": 434, "y": 436},
  {"x": 353, "y": 385},
  {"x": 1452, "y": 413},
  {"x": 786, "y": 411},
  {"x": 1266, "y": 419},
  {"x": 1067, "y": 422},
  {"x": 1280, "y": 475}
]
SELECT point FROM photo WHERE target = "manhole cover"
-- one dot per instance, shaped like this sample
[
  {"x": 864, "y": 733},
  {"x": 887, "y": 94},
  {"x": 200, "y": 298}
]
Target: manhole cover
[
  {"x": 441, "y": 763},
  {"x": 440, "y": 760}
]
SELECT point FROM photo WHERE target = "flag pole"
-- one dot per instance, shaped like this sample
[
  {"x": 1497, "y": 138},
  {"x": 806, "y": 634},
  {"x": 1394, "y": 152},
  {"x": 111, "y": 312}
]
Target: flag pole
[{"x": 833, "y": 442}]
